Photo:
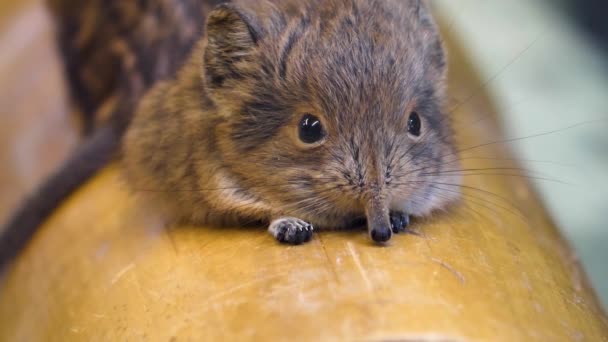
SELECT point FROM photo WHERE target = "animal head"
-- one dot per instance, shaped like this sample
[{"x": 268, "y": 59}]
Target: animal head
[{"x": 332, "y": 109}]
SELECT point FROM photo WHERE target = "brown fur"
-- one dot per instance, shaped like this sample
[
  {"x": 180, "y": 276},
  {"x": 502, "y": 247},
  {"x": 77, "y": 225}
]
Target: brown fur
[
  {"x": 115, "y": 50},
  {"x": 218, "y": 143}
]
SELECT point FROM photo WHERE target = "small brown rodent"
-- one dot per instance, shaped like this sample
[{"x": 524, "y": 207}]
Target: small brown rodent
[{"x": 300, "y": 113}]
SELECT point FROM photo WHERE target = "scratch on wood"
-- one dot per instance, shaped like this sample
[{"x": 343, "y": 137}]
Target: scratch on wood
[
  {"x": 360, "y": 267},
  {"x": 452, "y": 270},
  {"x": 171, "y": 240},
  {"x": 236, "y": 288},
  {"x": 121, "y": 273},
  {"x": 575, "y": 267},
  {"x": 329, "y": 261},
  {"x": 158, "y": 297}
]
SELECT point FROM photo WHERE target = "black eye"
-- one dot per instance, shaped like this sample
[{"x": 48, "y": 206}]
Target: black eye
[
  {"x": 414, "y": 124},
  {"x": 311, "y": 129}
]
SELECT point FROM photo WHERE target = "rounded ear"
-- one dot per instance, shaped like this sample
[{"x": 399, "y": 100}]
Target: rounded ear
[
  {"x": 232, "y": 34},
  {"x": 439, "y": 57},
  {"x": 437, "y": 54}
]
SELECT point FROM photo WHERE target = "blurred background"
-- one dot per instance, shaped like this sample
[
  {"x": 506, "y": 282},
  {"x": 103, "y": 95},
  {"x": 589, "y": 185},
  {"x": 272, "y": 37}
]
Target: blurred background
[
  {"x": 545, "y": 63},
  {"x": 546, "y": 67}
]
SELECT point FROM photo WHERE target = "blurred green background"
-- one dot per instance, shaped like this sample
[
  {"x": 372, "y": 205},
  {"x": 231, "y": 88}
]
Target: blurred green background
[{"x": 547, "y": 68}]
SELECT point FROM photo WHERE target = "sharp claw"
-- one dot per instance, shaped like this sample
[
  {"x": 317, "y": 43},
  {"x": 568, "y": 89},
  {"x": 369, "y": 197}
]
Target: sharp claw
[{"x": 293, "y": 231}]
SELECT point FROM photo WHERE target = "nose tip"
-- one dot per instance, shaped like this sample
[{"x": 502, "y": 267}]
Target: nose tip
[
  {"x": 378, "y": 222},
  {"x": 381, "y": 234}
]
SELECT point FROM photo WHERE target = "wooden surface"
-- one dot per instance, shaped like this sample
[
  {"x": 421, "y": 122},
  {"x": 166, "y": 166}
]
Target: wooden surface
[{"x": 495, "y": 268}]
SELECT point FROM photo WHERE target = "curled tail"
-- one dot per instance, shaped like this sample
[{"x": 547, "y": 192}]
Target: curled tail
[{"x": 89, "y": 158}]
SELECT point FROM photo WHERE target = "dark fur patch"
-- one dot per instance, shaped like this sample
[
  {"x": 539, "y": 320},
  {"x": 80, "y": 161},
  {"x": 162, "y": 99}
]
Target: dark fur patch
[
  {"x": 294, "y": 37},
  {"x": 259, "y": 121}
]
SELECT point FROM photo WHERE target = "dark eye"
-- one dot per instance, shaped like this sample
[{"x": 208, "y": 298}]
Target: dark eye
[
  {"x": 414, "y": 124},
  {"x": 311, "y": 129}
]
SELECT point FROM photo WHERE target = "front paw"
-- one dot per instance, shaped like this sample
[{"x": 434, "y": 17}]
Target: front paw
[
  {"x": 399, "y": 222},
  {"x": 291, "y": 230}
]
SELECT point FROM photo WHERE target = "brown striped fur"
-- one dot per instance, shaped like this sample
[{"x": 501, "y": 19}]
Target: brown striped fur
[{"x": 115, "y": 50}]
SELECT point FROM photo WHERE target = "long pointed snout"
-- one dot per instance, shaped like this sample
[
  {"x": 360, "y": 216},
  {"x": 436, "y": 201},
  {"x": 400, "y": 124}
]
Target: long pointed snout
[{"x": 378, "y": 222}]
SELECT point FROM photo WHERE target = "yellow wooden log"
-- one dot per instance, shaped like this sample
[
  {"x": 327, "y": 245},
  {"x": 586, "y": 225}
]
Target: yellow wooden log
[{"x": 493, "y": 268}]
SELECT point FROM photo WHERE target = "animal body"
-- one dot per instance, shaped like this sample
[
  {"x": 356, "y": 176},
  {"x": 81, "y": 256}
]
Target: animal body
[{"x": 293, "y": 113}]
